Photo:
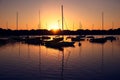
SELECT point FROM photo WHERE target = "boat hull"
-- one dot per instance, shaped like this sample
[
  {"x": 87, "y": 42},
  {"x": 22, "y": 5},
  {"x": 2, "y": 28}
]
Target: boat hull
[{"x": 98, "y": 40}]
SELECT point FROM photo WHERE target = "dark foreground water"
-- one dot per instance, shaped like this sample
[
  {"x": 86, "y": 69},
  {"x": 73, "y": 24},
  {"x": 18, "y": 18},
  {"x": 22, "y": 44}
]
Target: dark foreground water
[{"x": 89, "y": 61}]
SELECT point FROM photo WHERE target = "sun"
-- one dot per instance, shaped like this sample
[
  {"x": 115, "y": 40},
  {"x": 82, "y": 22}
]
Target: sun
[{"x": 54, "y": 27}]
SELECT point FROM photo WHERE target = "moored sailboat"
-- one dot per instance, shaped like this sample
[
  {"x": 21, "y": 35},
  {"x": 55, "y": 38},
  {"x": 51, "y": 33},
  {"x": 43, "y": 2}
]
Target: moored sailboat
[
  {"x": 101, "y": 40},
  {"x": 59, "y": 42}
]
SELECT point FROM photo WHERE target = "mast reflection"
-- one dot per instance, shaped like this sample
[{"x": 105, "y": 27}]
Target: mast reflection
[{"x": 62, "y": 66}]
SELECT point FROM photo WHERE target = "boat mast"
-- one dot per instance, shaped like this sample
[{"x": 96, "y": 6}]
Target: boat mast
[
  {"x": 7, "y": 25},
  {"x": 62, "y": 17},
  {"x": 17, "y": 20},
  {"x": 80, "y": 25},
  {"x": 39, "y": 20},
  {"x": 102, "y": 20},
  {"x": 112, "y": 25},
  {"x": 73, "y": 26},
  {"x": 93, "y": 26},
  {"x": 102, "y": 23}
]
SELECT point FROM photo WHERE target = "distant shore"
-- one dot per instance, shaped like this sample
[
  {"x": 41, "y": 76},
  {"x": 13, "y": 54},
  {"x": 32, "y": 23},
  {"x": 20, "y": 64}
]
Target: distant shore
[{"x": 9, "y": 32}]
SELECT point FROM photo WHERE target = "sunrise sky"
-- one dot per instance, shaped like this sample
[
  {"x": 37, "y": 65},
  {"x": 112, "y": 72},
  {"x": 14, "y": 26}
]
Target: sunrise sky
[{"x": 86, "y": 12}]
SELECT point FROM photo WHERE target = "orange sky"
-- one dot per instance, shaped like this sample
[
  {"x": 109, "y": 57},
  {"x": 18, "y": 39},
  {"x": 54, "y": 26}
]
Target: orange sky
[{"x": 86, "y": 12}]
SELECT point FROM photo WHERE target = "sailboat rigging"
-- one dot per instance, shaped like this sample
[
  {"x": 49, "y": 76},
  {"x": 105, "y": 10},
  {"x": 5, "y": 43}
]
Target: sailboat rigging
[
  {"x": 100, "y": 40},
  {"x": 59, "y": 42}
]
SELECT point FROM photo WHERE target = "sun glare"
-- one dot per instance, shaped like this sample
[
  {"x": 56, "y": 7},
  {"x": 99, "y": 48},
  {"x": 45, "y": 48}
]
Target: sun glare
[{"x": 54, "y": 27}]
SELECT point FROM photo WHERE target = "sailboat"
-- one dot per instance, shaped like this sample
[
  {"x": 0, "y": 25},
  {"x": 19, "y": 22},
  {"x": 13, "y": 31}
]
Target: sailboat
[
  {"x": 111, "y": 38},
  {"x": 79, "y": 37},
  {"x": 3, "y": 41},
  {"x": 34, "y": 40},
  {"x": 69, "y": 36},
  {"x": 91, "y": 36},
  {"x": 39, "y": 26},
  {"x": 100, "y": 40},
  {"x": 17, "y": 37},
  {"x": 57, "y": 43}
]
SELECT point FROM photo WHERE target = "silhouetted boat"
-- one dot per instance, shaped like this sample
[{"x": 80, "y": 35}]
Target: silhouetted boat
[
  {"x": 33, "y": 40},
  {"x": 98, "y": 40},
  {"x": 45, "y": 37},
  {"x": 59, "y": 42},
  {"x": 69, "y": 37},
  {"x": 58, "y": 38},
  {"x": 78, "y": 38},
  {"x": 36, "y": 40},
  {"x": 3, "y": 41},
  {"x": 101, "y": 40},
  {"x": 111, "y": 38},
  {"x": 42, "y": 36},
  {"x": 17, "y": 38},
  {"x": 91, "y": 37},
  {"x": 54, "y": 40}
]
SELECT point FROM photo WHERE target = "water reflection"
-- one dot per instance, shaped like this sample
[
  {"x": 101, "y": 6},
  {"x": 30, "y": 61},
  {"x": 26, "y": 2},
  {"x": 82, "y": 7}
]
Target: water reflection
[
  {"x": 102, "y": 61},
  {"x": 62, "y": 66},
  {"x": 28, "y": 51},
  {"x": 80, "y": 50},
  {"x": 37, "y": 62},
  {"x": 19, "y": 48},
  {"x": 40, "y": 62}
]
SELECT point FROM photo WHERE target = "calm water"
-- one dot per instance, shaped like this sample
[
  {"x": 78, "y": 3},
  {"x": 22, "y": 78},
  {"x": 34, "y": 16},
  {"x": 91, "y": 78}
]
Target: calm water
[{"x": 89, "y": 61}]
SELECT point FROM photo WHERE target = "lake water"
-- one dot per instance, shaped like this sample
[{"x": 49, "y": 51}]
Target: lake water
[{"x": 90, "y": 61}]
